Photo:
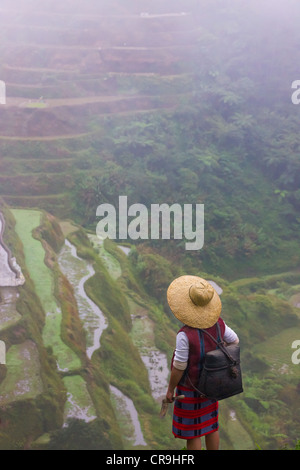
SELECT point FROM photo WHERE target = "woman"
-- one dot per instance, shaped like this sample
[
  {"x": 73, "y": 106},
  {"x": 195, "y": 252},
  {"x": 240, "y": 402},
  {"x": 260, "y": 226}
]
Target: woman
[{"x": 197, "y": 305}]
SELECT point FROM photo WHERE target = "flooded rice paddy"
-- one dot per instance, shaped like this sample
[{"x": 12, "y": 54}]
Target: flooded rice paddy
[{"x": 78, "y": 271}]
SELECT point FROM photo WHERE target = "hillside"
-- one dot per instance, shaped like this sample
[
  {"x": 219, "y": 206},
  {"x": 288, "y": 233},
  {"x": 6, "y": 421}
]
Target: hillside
[
  {"x": 181, "y": 103},
  {"x": 157, "y": 114}
]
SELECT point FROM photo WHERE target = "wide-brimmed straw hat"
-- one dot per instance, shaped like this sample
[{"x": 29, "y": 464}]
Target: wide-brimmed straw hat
[{"x": 194, "y": 301}]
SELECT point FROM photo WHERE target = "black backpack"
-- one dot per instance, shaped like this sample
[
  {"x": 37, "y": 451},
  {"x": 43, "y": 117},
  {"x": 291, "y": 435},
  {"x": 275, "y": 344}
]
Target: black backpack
[{"x": 221, "y": 375}]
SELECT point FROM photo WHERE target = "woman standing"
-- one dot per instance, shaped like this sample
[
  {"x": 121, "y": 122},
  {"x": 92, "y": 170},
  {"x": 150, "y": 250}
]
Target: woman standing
[{"x": 197, "y": 305}]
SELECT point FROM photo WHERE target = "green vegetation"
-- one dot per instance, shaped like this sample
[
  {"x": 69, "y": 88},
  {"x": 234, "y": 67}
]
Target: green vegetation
[
  {"x": 32, "y": 392},
  {"x": 43, "y": 279},
  {"x": 173, "y": 108},
  {"x": 23, "y": 376}
]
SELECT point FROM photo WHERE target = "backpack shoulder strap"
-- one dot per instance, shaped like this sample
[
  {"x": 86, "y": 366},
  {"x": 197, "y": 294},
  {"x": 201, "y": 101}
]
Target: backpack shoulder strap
[{"x": 220, "y": 344}]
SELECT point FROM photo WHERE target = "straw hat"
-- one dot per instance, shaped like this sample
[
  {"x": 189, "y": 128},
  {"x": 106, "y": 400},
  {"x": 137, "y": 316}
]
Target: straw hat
[{"x": 194, "y": 301}]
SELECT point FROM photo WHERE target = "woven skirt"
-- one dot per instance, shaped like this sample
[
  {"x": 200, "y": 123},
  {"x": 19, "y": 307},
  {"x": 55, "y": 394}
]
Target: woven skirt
[{"x": 194, "y": 416}]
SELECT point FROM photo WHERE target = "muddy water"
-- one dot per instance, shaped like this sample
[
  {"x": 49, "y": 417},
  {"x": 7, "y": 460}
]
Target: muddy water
[
  {"x": 6, "y": 274},
  {"x": 8, "y": 278},
  {"x": 8, "y": 291},
  {"x": 126, "y": 250},
  {"x": 127, "y": 414},
  {"x": 155, "y": 360},
  {"x": 79, "y": 404},
  {"x": 110, "y": 262},
  {"x": 157, "y": 365},
  {"x": 23, "y": 379},
  {"x": 78, "y": 271},
  {"x": 8, "y": 311}
]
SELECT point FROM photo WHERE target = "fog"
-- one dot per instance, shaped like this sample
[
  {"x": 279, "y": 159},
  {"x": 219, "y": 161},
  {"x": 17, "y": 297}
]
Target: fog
[
  {"x": 258, "y": 16},
  {"x": 266, "y": 10},
  {"x": 159, "y": 101}
]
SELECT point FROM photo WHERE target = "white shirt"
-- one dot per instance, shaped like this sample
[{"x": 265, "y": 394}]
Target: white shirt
[{"x": 182, "y": 343}]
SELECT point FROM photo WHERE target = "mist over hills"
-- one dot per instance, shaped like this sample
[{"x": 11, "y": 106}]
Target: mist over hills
[{"x": 164, "y": 102}]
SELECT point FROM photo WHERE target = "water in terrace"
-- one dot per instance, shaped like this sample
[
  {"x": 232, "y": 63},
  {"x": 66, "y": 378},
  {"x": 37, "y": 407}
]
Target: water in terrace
[
  {"x": 127, "y": 413},
  {"x": 78, "y": 272},
  {"x": 8, "y": 284},
  {"x": 6, "y": 274}
]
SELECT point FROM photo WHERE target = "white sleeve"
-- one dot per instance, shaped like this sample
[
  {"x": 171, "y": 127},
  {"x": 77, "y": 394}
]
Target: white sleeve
[
  {"x": 182, "y": 347},
  {"x": 182, "y": 343},
  {"x": 229, "y": 335}
]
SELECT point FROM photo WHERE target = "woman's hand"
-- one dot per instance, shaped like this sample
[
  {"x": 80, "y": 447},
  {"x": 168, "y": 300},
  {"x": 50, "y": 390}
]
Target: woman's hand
[
  {"x": 175, "y": 378},
  {"x": 169, "y": 396}
]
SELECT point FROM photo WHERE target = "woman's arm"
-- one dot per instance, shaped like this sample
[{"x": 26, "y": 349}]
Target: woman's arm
[
  {"x": 179, "y": 363},
  {"x": 175, "y": 378},
  {"x": 230, "y": 337}
]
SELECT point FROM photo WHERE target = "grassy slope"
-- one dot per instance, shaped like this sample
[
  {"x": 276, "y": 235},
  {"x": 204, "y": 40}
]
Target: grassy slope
[
  {"x": 66, "y": 358},
  {"x": 43, "y": 279},
  {"x": 256, "y": 317},
  {"x": 126, "y": 375},
  {"x": 40, "y": 394},
  {"x": 127, "y": 372},
  {"x": 118, "y": 295}
]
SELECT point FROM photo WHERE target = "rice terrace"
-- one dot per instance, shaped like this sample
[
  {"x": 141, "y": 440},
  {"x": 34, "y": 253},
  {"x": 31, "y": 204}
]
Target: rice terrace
[{"x": 167, "y": 107}]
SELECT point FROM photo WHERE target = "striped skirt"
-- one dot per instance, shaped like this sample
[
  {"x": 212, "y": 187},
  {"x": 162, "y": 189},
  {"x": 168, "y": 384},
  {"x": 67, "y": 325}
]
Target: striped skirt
[{"x": 194, "y": 416}]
